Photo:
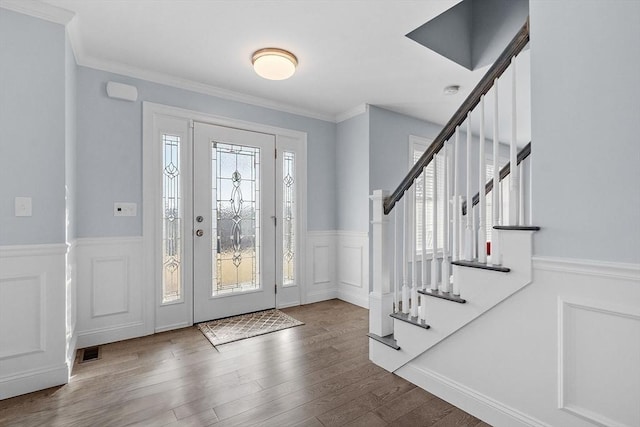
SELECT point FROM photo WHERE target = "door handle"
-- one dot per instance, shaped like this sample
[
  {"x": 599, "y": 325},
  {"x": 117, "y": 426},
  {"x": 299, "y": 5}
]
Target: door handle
[{"x": 199, "y": 233}]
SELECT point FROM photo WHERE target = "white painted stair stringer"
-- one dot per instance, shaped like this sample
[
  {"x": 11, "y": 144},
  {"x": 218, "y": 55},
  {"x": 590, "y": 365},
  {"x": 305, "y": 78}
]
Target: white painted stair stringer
[{"x": 483, "y": 290}]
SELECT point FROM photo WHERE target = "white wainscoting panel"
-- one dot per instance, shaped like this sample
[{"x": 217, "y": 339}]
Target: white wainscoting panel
[
  {"x": 32, "y": 318},
  {"x": 353, "y": 267},
  {"x": 321, "y": 267},
  {"x": 590, "y": 332},
  {"x": 109, "y": 286},
  {"x": 22, "y": 309},
  {"x": 110, "y": 290}
]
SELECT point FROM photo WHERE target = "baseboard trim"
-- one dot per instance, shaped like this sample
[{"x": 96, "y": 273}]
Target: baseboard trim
[
  {"x": 323, "y": 295},
  {"x": 172, "y": 327},
  {"x": 353, "y": 299},
  {"x": 289, "y": 304},
  {"x": 34, "y": 380},
  {"x": 111, "y": 334},
  {"x": 467, "y": 399}
]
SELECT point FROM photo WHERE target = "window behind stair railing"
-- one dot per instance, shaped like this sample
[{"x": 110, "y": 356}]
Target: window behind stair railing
[{"x": 417, "y": 147}]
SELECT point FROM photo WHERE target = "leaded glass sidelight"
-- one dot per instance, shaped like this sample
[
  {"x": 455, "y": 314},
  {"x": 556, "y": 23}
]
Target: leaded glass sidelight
[
  {"x": 288, "y": 219},
  {"x": 171, "y": 220},
  {"x": 236, "y": 207}
]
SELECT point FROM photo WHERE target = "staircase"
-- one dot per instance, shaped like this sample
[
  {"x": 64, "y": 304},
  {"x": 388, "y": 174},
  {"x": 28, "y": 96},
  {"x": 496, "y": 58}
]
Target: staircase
[{"x": 456, "y": 273}]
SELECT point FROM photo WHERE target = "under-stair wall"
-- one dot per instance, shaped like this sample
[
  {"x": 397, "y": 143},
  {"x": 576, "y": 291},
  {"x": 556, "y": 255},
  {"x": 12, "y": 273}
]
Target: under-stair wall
[{"x": 563, "y": 351}]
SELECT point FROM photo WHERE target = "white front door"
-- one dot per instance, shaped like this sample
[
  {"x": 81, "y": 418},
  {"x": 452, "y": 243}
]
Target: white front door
[{"x": 234, "y": 242}]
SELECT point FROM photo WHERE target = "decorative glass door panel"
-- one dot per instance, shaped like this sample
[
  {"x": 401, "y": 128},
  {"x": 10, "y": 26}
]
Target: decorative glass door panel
[
  {"x": 289, "y": 209},
  {"x": 234, "y": 227},
  {"x": 236, "y": 231}
]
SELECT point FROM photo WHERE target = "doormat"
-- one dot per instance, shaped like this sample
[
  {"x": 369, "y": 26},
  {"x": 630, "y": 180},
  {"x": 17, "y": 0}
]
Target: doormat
[{"x": 237, "y": 328}]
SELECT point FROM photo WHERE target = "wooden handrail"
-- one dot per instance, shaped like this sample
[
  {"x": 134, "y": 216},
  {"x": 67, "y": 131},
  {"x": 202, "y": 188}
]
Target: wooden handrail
[
  {"x": 506, "y": 169},
  {"x": 486, "y": 83}
]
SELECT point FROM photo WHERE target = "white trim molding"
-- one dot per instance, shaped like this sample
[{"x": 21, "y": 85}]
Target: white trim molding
[
  {"x": 40, "y": 10},
  {"x": 611, "y": 270},
  {"x": 353, "y": 112}
]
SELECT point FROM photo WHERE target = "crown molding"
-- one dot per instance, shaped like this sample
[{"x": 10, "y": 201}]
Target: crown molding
[
  {"x": 355, "y": 111},
  {"x": 190, "y": 85},
  {"x": 40, "y": 10}
]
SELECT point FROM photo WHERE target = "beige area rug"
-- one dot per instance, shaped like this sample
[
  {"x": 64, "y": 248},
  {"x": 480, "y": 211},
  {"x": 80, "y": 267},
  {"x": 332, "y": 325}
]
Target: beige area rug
[{"x": 237, "y": 328}]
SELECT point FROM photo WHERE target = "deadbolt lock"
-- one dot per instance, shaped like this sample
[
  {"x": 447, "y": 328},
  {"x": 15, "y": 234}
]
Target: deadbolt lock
[{"x": 199, "y": 233}]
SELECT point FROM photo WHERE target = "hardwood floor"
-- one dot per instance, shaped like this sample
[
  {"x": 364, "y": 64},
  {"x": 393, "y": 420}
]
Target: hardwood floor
[{"x": 312, "y": 375}]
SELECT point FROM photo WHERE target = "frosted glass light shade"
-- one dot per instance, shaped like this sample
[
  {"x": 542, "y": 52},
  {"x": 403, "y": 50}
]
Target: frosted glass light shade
[{"x": 274, "y": 64}]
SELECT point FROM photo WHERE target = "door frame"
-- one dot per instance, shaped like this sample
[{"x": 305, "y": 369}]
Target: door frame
[{"x": 161, "y": 317}]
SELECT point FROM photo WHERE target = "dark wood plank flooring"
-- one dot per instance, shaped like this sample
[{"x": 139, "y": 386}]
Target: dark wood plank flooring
[{"x": 313, "y": 375}]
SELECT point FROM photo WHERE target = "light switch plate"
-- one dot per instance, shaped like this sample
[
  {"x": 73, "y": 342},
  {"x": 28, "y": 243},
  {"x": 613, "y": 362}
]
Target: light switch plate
[
  {"x": 23, "y": 206},
  {"x": 125, "y": 209}
]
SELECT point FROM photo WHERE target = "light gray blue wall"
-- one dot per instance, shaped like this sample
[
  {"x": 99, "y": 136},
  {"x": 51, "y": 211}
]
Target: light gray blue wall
[
  {"x": 389, "y": 136},
  {"x": 109, "y": 155},
  {"x": 70, "y": 140},
  {"x": 32, "y": 128},
  {"x": 352, "y": 173},
  {"x": 585, "y": 112}
]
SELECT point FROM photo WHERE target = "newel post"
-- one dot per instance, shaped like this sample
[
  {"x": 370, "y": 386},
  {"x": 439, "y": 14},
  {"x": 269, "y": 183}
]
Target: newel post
[{"x": 380, "y": 298}]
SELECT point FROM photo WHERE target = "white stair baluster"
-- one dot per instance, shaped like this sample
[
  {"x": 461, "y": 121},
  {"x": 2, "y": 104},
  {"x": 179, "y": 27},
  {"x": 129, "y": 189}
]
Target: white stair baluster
[
  {"x": 445, "y": 221},
  {"x": 434, "y": 220},
  {"x": 424, "y": 229},
  {"x": 496, "y": 258},
  {"x": 423, "y": 299},
  {"x": 482, "y": 200},
  {"x": 396, "y": 279},
  {"x": 414, "y": 268},
  {"x": 514, "y": 198},
  {"x": 468, "y": 234},
  {"x": 521, "y": 219},
  {"x": 405, "y": 261},
  {"x": 455, "y": 245}
]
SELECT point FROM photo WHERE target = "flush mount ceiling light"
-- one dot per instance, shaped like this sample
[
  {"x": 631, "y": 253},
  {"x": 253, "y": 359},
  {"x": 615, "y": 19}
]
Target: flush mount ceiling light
[
  {"x": 274, "y": 64},
  {"x": 451, "y": 90}
]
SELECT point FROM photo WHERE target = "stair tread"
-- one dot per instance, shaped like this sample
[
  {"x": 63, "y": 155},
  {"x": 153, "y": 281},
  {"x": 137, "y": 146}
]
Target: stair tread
[
  {"x": 387, "y": 340},
  {"x": 484, "y": 266},
  {"x": 407, "y": 318},
  {"x": 517, "y": 227},
  {"x": 443, "y": 295}
]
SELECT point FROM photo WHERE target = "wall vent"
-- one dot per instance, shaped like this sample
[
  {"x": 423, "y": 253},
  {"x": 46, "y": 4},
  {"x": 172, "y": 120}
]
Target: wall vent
[{"x": 90, "y": 353}]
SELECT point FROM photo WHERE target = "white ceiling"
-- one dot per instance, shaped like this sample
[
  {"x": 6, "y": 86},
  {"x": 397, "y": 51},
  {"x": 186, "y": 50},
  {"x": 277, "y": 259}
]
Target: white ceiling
[{"x": 350, "y": 52}]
